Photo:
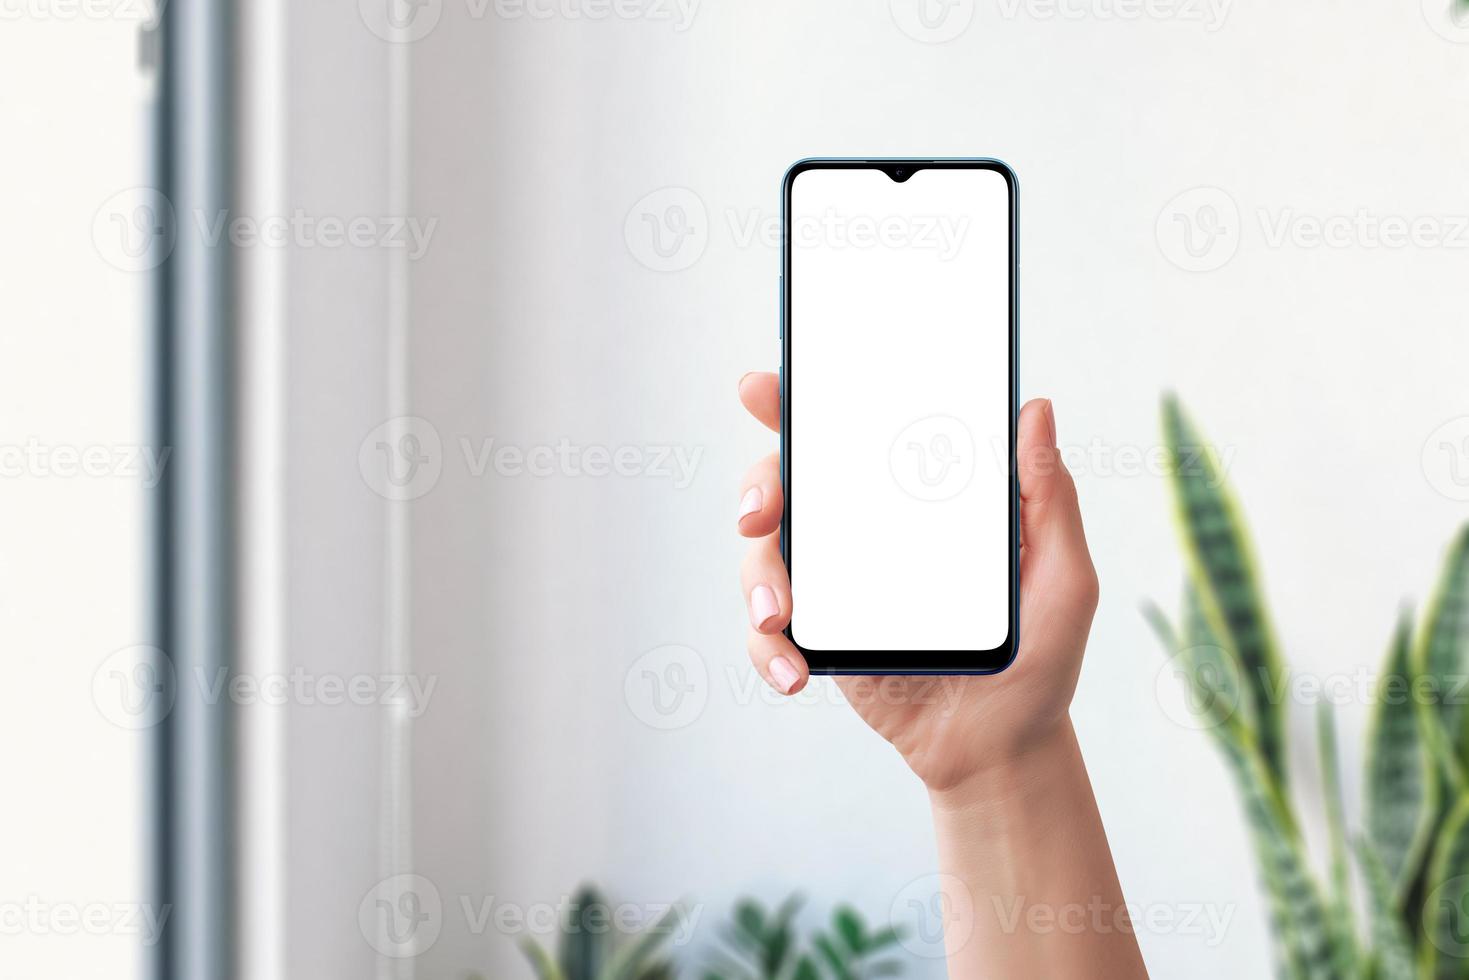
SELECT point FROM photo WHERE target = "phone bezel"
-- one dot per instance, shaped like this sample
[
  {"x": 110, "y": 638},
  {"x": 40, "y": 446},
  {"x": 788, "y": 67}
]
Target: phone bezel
[{"x": 903, "y": 661}]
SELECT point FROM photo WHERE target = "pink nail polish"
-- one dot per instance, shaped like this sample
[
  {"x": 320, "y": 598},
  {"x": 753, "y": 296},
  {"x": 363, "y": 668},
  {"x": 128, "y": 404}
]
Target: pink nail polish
[
  {"x": 751, "y": 502},
  {"x": 763, "y": 606},
  {"x": 783, "y": 675}
]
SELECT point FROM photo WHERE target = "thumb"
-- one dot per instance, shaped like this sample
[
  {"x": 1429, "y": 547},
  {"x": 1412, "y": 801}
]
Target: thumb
[{"x": 1050, "y": 517}]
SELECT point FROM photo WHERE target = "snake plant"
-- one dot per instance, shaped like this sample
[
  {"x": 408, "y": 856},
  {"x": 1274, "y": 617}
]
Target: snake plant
[{"x": 1413, "y": 851}]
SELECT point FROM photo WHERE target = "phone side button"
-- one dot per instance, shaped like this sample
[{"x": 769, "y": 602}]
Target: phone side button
[{"x": 780, "y": 306}]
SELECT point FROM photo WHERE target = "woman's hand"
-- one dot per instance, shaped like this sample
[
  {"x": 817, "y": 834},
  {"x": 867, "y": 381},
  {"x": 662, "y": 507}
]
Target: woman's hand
[
  {"x": 1014, "y": 816},
  {"x": 949, "y": 729}
]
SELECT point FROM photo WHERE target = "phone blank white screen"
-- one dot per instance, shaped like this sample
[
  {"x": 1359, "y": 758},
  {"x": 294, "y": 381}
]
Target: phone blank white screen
[{"x": 899, "y": 404}]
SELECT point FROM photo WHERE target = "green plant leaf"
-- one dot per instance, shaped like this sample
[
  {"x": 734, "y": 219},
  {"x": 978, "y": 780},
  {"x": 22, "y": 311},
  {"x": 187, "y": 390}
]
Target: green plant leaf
[
  {"x": 849, "y": 926},
  {"x": 805, "y": 970},
  {"x": 1402, "y": 794},
  {"x": 540, "y": 960},
  {"x": 631, "y": 961},
  {"x": 1451, "y": 772},
  {"x": 1222, "y": 568},
  {"x": 1441, "y": 653},
  {"x": 1341, "y": 885},
  {"x": 1161, "y": 627},
  {"x": 1206, "y": 670},
  {"x": 761, "y": 944},
  {"x": 883, "y": 938},
  {"x": 1446, "y": 907},
  {"x": 1218, "y": 679},
  {"x": 834, "y": 957},
  {"x": 780, "y": 936},
  {"x": 1305, "y": 939},
  {"x": 1391, "y": 946},
  {"x": 1298, "y": 912},
  {"x": 583, "y": 940},
  {"x": 750, "y": 918}
]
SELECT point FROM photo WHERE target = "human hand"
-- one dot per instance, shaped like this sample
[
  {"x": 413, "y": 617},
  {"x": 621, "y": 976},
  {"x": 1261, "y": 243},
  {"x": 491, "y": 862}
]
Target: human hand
[{"x": 949, "y": 728}]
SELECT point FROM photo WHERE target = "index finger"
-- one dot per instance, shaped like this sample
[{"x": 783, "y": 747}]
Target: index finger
[{"x": 760, "y": 393}]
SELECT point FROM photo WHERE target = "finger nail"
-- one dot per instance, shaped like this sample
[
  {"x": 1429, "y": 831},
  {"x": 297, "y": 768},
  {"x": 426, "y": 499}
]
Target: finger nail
[
  {"x": 1051, "y": 422},
  {"x": 763, "y": 607},
  {"x": 783, "y": 675},
  {"x": 751, "y": 502}
]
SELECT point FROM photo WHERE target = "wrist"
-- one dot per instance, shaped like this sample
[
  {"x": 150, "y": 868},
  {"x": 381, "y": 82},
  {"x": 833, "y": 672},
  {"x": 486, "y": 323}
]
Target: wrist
[
  {"x": 1025, "y": 773},
  {"x": 1022, "y": 848}
]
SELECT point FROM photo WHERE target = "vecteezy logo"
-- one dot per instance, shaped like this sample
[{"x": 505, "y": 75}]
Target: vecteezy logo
[
  {"x": 401, "y": 916},
  {"x": 1199, "y": 230},
  {"x": 402, "y": 458},
  {"x": 933, "y": 459},
  {"x": 1447, "y": 911},
  {"x": 1449, "y": 19},
  {"x": 134, "y": 230},
  {"x": 1446, "y": 459},
  {"x": 667, "y": 687},
  {"x": 930, "y": 908},
  {"x": 667, "y": 230},
  {"x": 1199, "y": 688},
  {"x": 400, "y": 21},
  {"x": 135, "y": 687},
  {"x": 932, "y": 21}
]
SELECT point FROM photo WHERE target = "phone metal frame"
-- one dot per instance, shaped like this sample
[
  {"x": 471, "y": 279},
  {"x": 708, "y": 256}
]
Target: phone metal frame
[{"x": 894, "y": 662}]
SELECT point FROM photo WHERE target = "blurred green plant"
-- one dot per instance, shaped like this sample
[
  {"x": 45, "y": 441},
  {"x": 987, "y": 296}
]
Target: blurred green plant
[
  {"x": 763, "y": 944},
  {"x": 1413, "y": 854},
  {"x": 758, "y": 944},
  {"x": 588, "y": 949}
]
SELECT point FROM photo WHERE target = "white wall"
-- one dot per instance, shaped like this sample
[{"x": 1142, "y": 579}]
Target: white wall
[
  {"x": 336, "y": 358},
  {"x": 73, "y": 572},
  {"x": 1325, "y": 370}
]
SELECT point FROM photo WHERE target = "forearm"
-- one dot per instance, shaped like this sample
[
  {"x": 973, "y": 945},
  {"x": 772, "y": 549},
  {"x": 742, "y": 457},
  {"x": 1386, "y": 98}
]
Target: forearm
[{"x": 1035, "y": 893}]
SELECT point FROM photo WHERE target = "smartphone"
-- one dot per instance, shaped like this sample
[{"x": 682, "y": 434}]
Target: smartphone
[{"x": 898, "y": 387}]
